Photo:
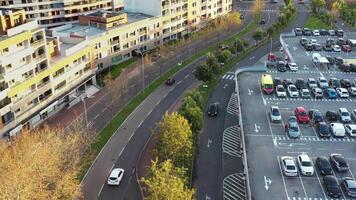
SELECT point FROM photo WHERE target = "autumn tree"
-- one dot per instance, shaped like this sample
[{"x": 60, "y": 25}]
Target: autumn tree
[
  {"x": 204, "y": 72},
  {"x": 192, "y": 112},
  {"x": 43, "y": 164},
  {"x": 335, "y": 9},
  {"x": 165, "y": 181},
  {"x": 175, "y": 139},
  {"x": 258, "y": 6},
  {"x": 317, "y": 5}
]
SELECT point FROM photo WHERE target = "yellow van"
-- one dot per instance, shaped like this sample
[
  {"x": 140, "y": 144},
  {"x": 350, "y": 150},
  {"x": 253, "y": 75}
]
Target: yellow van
[{"x": 267, "y": 83}]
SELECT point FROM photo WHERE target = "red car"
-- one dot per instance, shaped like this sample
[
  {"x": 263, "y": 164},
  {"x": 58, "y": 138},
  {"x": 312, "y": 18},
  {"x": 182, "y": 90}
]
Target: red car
[
  {"x": 301, "y": 115},
  {"x": 271, "y": 57},
  {"x": 346, "y": 48}
]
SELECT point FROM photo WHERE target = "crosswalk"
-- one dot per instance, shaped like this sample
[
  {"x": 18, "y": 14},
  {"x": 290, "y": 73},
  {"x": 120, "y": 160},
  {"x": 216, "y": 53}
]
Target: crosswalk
[
  {"x": 310, "y": 72},
  {"x": 265, "y": 10},
  {"x": 232, "y": 106},
  {"x": 315, "y": 139},
  {"x": 273, "y": 99},
  {"x": 310, "y": 198},
  {"x": 229, "y": 77},
  {"x": 232, "y": 141},
  {"x": 234, "y": 187}
]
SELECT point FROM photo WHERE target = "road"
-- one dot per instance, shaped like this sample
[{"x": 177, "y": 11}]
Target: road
[
  {"x": 124, "y": 147},
  {"x": 220, "y": 172}
]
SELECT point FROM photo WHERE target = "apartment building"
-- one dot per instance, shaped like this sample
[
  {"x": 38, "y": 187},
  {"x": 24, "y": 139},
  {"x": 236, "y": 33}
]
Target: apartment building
[
  {"x": 37, "y": 74},
  {"x": 52, "y": 13}
]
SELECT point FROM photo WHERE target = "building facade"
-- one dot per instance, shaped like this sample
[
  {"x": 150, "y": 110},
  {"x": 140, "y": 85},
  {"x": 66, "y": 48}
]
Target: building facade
[{"x": 51, "y": 13}]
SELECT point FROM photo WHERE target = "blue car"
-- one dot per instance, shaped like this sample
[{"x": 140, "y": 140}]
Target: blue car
[{"x": 331, "y": 93}]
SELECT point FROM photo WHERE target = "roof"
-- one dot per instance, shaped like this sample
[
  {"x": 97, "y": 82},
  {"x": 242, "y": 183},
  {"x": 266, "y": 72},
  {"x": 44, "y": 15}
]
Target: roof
[
  {"x": 304, "y": 157},
  {"x": 80, "y": 30}
]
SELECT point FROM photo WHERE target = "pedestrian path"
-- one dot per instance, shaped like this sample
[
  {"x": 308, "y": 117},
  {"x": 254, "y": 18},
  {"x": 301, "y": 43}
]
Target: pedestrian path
[
  {"x": 234, "y": 187},
  {"x": 310, "y": 198},
  {"x": 315, "y": 139},
  {"x": 231, "y": 141},
  {"x": 228, "y": 77},
  {"x": 232, "y": 106}
]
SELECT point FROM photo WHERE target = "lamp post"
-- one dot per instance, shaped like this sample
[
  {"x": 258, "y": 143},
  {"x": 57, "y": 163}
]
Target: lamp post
[
  {"x": 82, "y": 98},
  {"x": 143, "y": 70}
]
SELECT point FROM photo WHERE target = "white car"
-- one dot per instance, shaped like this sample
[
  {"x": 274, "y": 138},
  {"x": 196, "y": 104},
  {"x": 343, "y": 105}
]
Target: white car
[
  {"x": 312, "y": 41},
  {"x": 316, "y": 33},
  {"x": 342, "y": 92},
  {"x": 115, "y": 176},
  {"x": 293, "y": 67},
  {"x": 337, "y": 129},
  {"x": 312, "y": 83},
  {"x": 304, "y": 93},
  {"x": 323, "y": 83},
  {"x": 280, "y": 91},
  {"x": 288, "y": 166},
  {"x": 293, "y": 91},
  {"x": 336, "y": 48},
  {"x": 352, "y": 91},
  {"x": 305, "y": 165},
  {"x": 344, "y": 115},
  {"x": 351, "y": 129},
  {"x": 275, "y": 114},
  {"x": 353, "y": 114}
]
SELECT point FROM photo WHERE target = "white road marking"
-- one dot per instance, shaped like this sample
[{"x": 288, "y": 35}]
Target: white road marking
[
  {"x": 96, "y": 116},
  {"x": 209, "y": 142},
  {"x": 269, "y": 124},
  {"x": 322, "y": 189},
  {"x": 101, "y": 188},
  {"x": 186, "y": 76},
  {"x": 257, "y": 128},
  {"x": 268, "y": 182},
  {"x": 284, "y": 182},
  {"x": 300, "y": 178}
]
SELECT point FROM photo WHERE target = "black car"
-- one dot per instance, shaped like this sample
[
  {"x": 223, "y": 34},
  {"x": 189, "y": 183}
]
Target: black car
[
  {"x": 263, "y": 21},
  {"x": 331, "y": 115},
  {"x": 349, "y": 185},
  {"x": 341, "y": 41},
  {"x": 300, "y": 83},
  {"x": 353, "y": 67},
  {"x": 242, "y": 17},
  {"x": 345, "y": 83},
  {"x": 170, "y": 81},
  {"x": 323, "y": 129},
  {"x": 339, "y": 60},
  {"x": 323, "y": 32},
  {"x": 324, "y": 166},
  {"x": 281, "y": 66},
  {"x": 315, "y": 115},
  {"x": 330, "y": 41},
  {"x": 303, "y": 41},
  {"x": 298, "y": 32},
  {"x": 287, "y": 82},
  {"x": 327, "y": 47},
  {"x": 213, "y": 109},
  {"x": 317, "y": 47},
  {"x": 277, "y": 81},
  {"x": 334, "y": 83},
  {"x": 330, "y": 59},
  {"x": 345, "y": 67},
  {"x": 332, "y": 186},
  {"x": 307, "y": 32},
  {"x": 339, "y": 162},
  {"x": 308, "y": 47},
  {"x": 339, "y": 33}
]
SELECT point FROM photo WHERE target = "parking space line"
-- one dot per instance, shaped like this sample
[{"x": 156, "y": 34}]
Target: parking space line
[
  {"x": 301, "y": 181},
  {"x": 263, "y": 98},
  {"x": 284, "y": 182},
  {"x": 316, "y": 173},
  {"x": 269, "y": 124}
]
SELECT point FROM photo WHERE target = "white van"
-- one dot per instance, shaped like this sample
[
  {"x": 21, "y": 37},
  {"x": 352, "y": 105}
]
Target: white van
[{"x": 337, "y": 129}]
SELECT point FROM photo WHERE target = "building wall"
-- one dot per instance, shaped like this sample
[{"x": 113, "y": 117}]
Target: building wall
[{"x": 149, "y": 7}]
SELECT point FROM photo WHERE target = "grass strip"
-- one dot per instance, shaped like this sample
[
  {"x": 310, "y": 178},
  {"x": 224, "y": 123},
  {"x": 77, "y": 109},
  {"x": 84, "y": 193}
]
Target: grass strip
[
  {"x": 314, "y": 22},
  {"x": 117, "y": 69}
]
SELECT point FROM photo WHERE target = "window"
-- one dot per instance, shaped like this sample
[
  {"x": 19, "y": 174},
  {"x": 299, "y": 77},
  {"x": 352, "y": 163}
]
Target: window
[
  {"x": 20, "y": 44},
  {"x": 194, "y": 4},
  {"x": 6, "y": 50}
]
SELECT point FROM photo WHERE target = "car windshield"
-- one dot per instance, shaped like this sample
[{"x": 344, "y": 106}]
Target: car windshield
[
  {"x": 322, "y": 81},
  {"x": 345, "y": 114},
  {"x": 303, "y": 113},
  {"x": 112, "y": 178},
  {"x": 290, "y": 167},
  {"x": 351, "y": 185},
  {"x": 280, "y": 89},
  {"x": 305, "y": 93},
  {"x": 293, "y": 89},
  {"x": 275, "y": 112},
  {"x": 311, "y": 81},
  {"x": 294, "y": 128},
  {"x": 306, "y": 164},
  {"x": 332, "y": 92},
  {"x": 268, "y": 86}
]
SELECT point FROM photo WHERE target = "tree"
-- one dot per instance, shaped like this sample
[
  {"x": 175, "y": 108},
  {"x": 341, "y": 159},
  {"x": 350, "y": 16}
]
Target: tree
[
  {"x": 197, "y": 96},
  {"x": 175, "y": 139},
  {"x": 257, "y": 7},
  {"x": 335, "y": 9},
  {"x": 192, "y": 112},
  {"x": 204, "y": 72},
  {"x": 223, "y": 56},
  {"x": 317, "y": 5},
  {"x": 238, "y": 45},
  {"x": 43, "y": 164},
  {"x": 270, "y": 31},
  {"x": 258, "y": 34},
  {"x": 211, "y": 60},
  {"x": 167, "y": 182}
]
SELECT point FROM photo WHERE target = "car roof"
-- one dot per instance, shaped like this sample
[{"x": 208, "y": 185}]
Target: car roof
[
  {"x": 343, "y": 110},
  {"x": 330, "y": 178},
  {"x": 351, "y": 183},
  {"x": 304, "y": 157},
  {"x": 274, "y": 107},
  {"x": 352, "y": 126},
  {"x": 300, "y": 108},
  {"x": 336, "y": 125},
  {"x": 115, "y": 172}
]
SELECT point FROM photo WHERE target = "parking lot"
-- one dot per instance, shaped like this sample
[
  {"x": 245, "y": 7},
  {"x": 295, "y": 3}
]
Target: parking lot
[{"x": 267, "y": 141}]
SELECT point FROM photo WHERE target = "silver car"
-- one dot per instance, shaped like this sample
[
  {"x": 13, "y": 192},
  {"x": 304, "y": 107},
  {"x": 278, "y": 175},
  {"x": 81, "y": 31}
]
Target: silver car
[
  {"x": 317, "y": 92},
  {"x": 304, "y": 93},
  {"x": 292, "y": 127},
  {"x": 323, "y": 83}
]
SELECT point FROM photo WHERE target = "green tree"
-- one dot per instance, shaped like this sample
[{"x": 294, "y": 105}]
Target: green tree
[
  {"x": 197, "y": 96},
  {"x": 204, "y": 72},
  {"x": 211, "y": 60},
  {"x": 317, "y": 5},
  {"x": 192, "y": 112},
  {"x": 258, "y": 34},
  {"x": 167, "y": 182},
  {"x": 175, "y": 139},
  {"x": 239, "y": 46},
  {"x": 223, "y": 56}
]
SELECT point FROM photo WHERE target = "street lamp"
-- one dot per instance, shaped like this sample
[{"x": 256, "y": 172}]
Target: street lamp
[
  {"x": 82, "y": 98},
  {"x": 142, "y": 69}
]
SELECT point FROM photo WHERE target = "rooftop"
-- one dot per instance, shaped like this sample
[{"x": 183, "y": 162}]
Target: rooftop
[
  {"x": 80, "y": 30},
  {"x": 104, "y": 13},
  {"x": 134, "y": 17}
]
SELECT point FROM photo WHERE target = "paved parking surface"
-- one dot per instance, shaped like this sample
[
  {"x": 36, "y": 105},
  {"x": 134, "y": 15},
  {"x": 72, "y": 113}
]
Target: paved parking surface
[
  {"x": 234, "y": 187},
  {"x": 267, "y": 142}
]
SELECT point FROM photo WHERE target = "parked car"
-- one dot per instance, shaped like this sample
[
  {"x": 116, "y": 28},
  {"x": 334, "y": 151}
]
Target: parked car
[
  {"x": 331, "y": 115},
  {"x": 336, "y": 48},
  {"x": 353, "y": 67},
  {"x": 288, "y": 166},
  {"x": 306, "y": 32},
  {"x": 344, "y": 67},
  {"x": 327, "y": 47},
  {"x": 298, "y": 32},
  {"x": 323, "y": 130},
  {"x": 292, "y": 128},
  {"x": 337, "y": 129},
  {"x": 303, "y": 41},
  {"x": 344, "y": 115},
  {"x": 339, "y": 162},
  {"x": 213, "y": 109},
  {"x": 349, "y": 185},
  {"x": 331, "y": 32},
  {"x": 317, "y": 93},
  {"x": 312, "y": 83},
  {"x": 275, "y": 114},
  {"x": 277, "y": 81},
  {"x": 315, "y": 116},
  {"x": 299, "y": 83},
  {"x": 342, "y": 92},
  {"x": 316, "y": 33},
  {"x": 281, "y": 66},
  {"x": 346, "y": 48},
  {"x": 280, "y": 91},
  {"x": 323, "y": 32},
  {"x": 287, "y": 82},
  {"x": 305, "y": 165},
  {"x": 353, "y": 114},
  {"x": 339, "y": 60},
  {"x": 351, "y": 129},
  {"x": 293, "y": 67},
  {"x": 334, "y": 83},
  {"x": 345, "y": 83},
  {"x": 304, "y": 93},
  {"x": 351, "y": 42},
  {"x": 322, "y": 82},
  {"x": 317, "y": 47},
  {"x": 341, "y": 41},
  {"x": 331, "y": 93},
  {"x": 115, "y": 176},
  {"x": 170, "y": 81},
  {"x": 339, "y": 33},
  {"x": 263, "y": 21},
  {"x": 331, "y": 59},
  {"x": 352, "y": 91},
  {"x": 354, "y": 82},
  {"x": 293, "y": 91},
  {"x": 301, "y": 115},
  {"x": 242, "y": 17},
  {"x": 332, "y": 186},
  {"x": 308, "y": 47},
  {"x": 330, "y": 41},
  {"x": 324, "y": 165}
]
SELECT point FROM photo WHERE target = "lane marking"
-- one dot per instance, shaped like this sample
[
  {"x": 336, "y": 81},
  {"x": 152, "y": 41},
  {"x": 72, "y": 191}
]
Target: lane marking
[
  {"x": 102, "y": 186},
  {"x": 316, "y": 172},
  {"x": 284, "y": 182},
  {"x": 300, "y": 178}
]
